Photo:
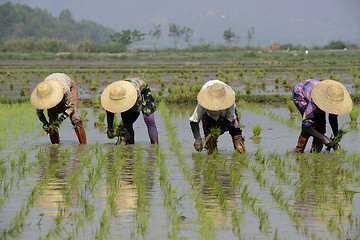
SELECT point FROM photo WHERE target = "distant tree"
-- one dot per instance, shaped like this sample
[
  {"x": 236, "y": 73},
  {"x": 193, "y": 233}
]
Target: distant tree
[
  {"x": 250, "y": 35},
  {"x": 137, "y": 36},
  {"x": 155, "y": 34},
  {"x": 335, "y": 44},
  {"x": 88, "y": 46},
  {"x": 188, "y": 34},
  {"x": 66, "y": 15},
  {"x": 230, "y": 36},
  {"x": 127, "y": 37},
  {"x": 175, "y": 32},
  {"x": 22, "y": 21}
]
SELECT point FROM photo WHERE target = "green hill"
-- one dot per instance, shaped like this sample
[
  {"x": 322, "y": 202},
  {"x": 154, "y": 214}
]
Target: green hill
[{"x": 22, "y": 21}]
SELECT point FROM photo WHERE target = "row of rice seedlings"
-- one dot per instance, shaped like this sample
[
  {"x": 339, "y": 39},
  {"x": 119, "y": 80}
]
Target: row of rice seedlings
[
  {"x": 141, "y": 216},
  {"x": 17, "y": 224},
  {"x": 273, "y": 116},
  {"x": 66, "y": 218},
  {"x": 170, "y": 200},
  {"x": 13, "y": 123},
  {"x": 113, "y": 177},
  {"x": 205, "y": 219},
  {"x": 324, "y": 188},
  {"x": 212, "y": 170},
  {"x": 265, "y": 183}
]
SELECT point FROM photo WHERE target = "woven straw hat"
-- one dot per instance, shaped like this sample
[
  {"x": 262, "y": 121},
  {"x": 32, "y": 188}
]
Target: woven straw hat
[
  {"x": 332, "y": 97},
  {"x": 216, "y": 97},
  {"x": 47, "y": 94},
  {"x": 119, "y": 96}
]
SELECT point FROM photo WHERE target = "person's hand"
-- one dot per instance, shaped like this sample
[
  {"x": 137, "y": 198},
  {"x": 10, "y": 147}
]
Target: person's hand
[
  {"x": 47, "y": 128},
  {"x": 198, "y": 145},
  {"x": 111, "y": 133},
  {"x": 329, "y": 143}
]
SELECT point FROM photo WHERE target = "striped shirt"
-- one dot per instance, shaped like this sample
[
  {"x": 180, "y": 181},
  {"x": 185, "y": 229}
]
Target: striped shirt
[
  {"x": 140, "y": 85},
  {"x": 303, "y": 101},
  {"x": 66, "y": 83},
  {"x": 199, "y": 111}
]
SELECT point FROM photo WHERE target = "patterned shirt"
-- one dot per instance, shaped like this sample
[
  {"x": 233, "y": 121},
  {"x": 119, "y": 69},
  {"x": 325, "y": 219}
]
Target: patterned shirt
[
  {"x": 303, "y": 100},
  {"x": 228, "y": 113},
  {"x": 140, "y": 85},
  {"x": 65, "y": 82}
]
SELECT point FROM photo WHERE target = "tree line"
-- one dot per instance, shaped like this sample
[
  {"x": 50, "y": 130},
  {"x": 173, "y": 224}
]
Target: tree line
[{"x": 27, "y": 30}]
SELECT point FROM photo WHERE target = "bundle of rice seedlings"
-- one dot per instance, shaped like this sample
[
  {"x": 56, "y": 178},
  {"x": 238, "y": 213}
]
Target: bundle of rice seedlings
[
  {"x": 256, "y": 131},
  {"x": 55, "y": 126},
  {"x": 120, "y": 133},
  {"x": 338, "y": 138},
  {"x": 292, "y": 109},
  {"x": 83, "y": 117},
  {"x": 354, "y": 114},
  {"x": 340, "y": 135},
  {"x": 100, "y": 122},
  {"x": 211, "y": 139}
]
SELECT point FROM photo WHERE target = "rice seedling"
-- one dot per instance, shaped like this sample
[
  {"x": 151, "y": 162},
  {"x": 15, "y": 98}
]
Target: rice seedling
[
  {"x": 256, "y": 132},
  {"x": 211, "y": 139},
  {"x": 292, "y": 109},
  {"x": 354, "y": 114},
  {"x": 84, "y": 112},
  {"x": 338, "y": 138},
  {"x": 55, "y": 126},
  {"x": 101, "y": 122}
]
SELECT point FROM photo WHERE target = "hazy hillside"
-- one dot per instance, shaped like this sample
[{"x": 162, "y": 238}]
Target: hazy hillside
[{"x": 22, "y": 21}]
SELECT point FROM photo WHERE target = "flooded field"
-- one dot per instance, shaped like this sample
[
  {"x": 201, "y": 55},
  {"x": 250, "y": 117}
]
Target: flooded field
[{"x": 107, "y": 191}]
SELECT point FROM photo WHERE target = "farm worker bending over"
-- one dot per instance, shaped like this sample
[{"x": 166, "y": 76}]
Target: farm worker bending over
[
  {"x": 313, "y": 98},
  {"x": 58, "y": 94},
  {"x": 216, "y": 109},
  {"x": 129, "y": 97}
]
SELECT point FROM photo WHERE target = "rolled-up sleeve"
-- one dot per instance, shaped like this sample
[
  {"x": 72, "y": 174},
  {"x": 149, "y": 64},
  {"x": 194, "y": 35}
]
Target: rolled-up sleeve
[
  {"x": 230, "y": 113},
  {"x": 198, "y": 113},
  {"x": 69, "y": 103}
]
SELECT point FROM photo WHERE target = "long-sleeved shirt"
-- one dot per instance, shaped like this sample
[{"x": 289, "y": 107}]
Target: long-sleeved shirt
[
  {"x": 65, "y": 82},
  {"x": 140, "y": 85},
  {"x": 302, "y": 96},
  {"x": 228, "y": 113}
]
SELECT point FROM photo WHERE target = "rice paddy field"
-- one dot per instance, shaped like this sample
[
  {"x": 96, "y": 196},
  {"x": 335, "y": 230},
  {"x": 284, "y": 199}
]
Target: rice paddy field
[{"x": 169, "y": 191}]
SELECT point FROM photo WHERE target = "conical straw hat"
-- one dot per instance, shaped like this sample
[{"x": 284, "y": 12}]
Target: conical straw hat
[
  {"x": 216, "y": 97},
  {"x": 332, "y": 97},
  {"x": 119, "y": 96},
  {"x": 47, "y": 94}
]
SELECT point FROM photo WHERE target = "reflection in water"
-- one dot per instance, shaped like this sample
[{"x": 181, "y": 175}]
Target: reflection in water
[
  {"x": 121, "y": 191},
  {"x": 318, "y": 195},
  {"x": 63, "y": 164},
  {"x": 212, "y": 174}
]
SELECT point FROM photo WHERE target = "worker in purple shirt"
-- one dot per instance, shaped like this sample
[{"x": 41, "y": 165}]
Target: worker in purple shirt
[
  {"x": 130, "y": 97},
  {"x": 313, "y": 98}
]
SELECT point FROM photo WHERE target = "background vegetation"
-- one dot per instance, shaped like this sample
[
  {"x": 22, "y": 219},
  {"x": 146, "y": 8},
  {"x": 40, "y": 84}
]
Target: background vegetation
[{"x": 27, "y": 30}]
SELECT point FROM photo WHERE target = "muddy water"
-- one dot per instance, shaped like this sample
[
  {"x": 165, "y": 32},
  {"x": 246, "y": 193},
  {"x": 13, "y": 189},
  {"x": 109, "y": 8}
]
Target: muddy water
[{"x": 72, "y": 170}]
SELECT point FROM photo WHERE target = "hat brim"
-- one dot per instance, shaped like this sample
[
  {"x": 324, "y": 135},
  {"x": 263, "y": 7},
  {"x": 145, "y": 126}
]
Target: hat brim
[
  {"x": 119, "y": 105},
  {"x": 216, "y": 104},
  {"x": 337, "y": 107},
  {"x": 49, "y": 101}
]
